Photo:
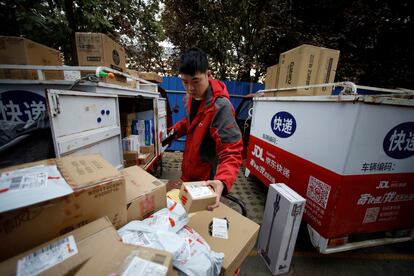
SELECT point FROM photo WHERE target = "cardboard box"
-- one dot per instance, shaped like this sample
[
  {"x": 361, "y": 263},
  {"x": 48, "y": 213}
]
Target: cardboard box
[
  {"x": 22, "y": 51},
  {"x": 328, "y": 62},
  {"x": 145, "y": 194},
  {"x": 242, "y": 236},
  {"x": 144, "y": 158},
  {"x": 122, "y": 259},
  {"x": 196, "y": 196},
  {"x": 89, "y": 239},
  {"x": 307, "y": 65},
  {"x": 147, "y": 149},
  {"x": 149, "y": 76},
  {"x": 98, "y": 190},
  {"x": 298, "y": 67},
  {"x": 282, "y": 216},
  {"x": 272, "y": 77},
  {"x": 96, "y": 49}
]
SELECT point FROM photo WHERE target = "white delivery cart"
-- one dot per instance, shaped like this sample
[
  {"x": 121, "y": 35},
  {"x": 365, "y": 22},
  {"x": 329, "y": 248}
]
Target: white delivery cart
[
  {"x": 350, "y": 156},
  {"x": 82, "y": 113}
]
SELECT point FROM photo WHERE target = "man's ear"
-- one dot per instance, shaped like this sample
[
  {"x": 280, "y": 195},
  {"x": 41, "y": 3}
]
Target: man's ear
[{"x": 209, "y": 75}]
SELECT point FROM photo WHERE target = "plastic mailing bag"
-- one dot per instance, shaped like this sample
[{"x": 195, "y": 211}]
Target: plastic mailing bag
[{"x": 167, "y": 230}]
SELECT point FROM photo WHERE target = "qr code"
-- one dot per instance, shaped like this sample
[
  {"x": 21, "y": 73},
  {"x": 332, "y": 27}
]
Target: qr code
[
  {"x": 318, "y": 191},
  {"x": 371, "y": 215}
]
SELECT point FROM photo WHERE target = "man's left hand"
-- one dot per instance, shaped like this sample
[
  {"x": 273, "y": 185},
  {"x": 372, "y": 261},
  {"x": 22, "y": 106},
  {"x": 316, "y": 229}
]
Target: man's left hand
[{"x": 218, "y": 187}]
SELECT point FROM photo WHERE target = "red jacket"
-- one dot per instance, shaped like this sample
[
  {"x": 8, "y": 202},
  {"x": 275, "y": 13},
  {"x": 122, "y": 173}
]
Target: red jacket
[{"x": 214, "y": 144}]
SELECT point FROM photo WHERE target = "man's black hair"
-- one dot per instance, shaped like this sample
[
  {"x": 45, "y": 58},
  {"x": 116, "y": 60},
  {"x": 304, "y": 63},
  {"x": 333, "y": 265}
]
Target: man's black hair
[{"x": 193, "y": 61}]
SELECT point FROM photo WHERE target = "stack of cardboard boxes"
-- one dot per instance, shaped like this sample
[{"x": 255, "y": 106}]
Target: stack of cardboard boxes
[
  {"x": 74, "y": 231},
  {"x": 93, "y": 49},
  {"x": 302, "y": 66}
]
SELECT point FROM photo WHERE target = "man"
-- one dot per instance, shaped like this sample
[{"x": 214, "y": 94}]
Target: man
[{"x": 214, "y": 144}]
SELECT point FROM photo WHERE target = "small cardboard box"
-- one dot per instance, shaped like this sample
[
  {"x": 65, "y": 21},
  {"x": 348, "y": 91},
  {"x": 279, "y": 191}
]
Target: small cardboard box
[
  {"x": 96, "y": 49},
  {"x": 147, "y": 149},
  {"x": 145, "y": 193},
  {"x": 242, "y": 236},
  {"x": 272, "y": 76},
  {"x": 98, "y": 190},
  {"x": 196, "y": 196},
  {"x": 281, "y": 222},
  {"x": 22, "y": 51},
  {"x": 81, "y": 244},
  {"x": 122, "y": 259}
]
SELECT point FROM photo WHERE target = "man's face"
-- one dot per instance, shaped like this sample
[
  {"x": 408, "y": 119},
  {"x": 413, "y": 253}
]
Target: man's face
[{"x": 196, "y": 85}]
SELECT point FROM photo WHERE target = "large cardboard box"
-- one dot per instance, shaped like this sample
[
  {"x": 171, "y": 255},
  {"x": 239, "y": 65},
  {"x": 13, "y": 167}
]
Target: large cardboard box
[
  {"x": 64, "y": 254},
  {"x": 196, "y": 196},
  {"x": 298, "y": 67},
  {"x": 149, "y": 76},
  {"x": 122, "y": 259},
  {"x": 272, "y": 77},
  {"x": 96, "y": 49},
  {"x": 145, "y": 193},
  {"x": 98, "y": 190},
  {"x": 282, "y": 216},
  {"x": 307, "y": 65},
  {"x": 242, "y": 236},
  {"x": 22, "y": 51},
  {"x": 328, "y": 62}
]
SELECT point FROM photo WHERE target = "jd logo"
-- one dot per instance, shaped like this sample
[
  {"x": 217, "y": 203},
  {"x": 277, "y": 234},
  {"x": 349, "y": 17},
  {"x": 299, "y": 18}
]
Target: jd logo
[
  {"x": 258, "y": 152},
  {"x": 383, "y": 185}
]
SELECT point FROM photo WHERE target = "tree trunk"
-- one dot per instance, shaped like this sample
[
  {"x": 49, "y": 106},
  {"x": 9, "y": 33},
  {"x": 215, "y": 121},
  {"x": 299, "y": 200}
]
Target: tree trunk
[{"x": 72, "y": 25}]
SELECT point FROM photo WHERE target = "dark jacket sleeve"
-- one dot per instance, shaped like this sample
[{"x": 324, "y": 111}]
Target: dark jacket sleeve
[{"x": 229, "y": 144}]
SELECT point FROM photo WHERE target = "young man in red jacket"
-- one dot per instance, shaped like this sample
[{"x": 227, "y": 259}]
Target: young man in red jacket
[{"x": 214, "y": 143}]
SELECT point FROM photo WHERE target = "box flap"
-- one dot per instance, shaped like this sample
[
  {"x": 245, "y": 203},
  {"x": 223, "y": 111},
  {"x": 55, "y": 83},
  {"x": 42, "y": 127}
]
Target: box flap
[
  {"x": 117, "y": 257},
  {"x": 88, "y": 239},
  {"x": 28, "y": 186},
  {"x": 80, "y": 171},
  {"x": 242, "y": 235},
  {"x": 139, "y": 182}
]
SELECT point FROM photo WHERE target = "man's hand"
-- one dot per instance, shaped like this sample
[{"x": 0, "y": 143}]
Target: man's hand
[{"x": 218, "y": 187}]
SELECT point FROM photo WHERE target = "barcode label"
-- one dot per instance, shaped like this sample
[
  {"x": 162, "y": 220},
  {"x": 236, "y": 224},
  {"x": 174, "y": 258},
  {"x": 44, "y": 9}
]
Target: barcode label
[
  {"x": 136, "y": 238},
  {"x": 140, "y": 266},
  {"x": 197, "y": 191},
  {"x": 47, "y": 257},
  {"x": 220, "y": 228},
  {"x": 15, "y": 183},
  {"x": 28, "y": 181}
]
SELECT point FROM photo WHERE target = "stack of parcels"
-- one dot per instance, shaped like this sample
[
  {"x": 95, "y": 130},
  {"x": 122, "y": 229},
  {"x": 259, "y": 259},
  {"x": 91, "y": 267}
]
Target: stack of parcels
[
  {"x": 42, "y": 200},
  {"x": 208, "y": 243},
  {"x": 138, "y": 143},
  {"x": 93, "y": 249},
  {"x": 59, "y": 217},
  {"x": 302, "y": 66}
]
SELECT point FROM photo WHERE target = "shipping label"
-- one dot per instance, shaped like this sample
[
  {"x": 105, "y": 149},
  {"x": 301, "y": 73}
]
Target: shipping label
[
  {"x": 47, "y": 257},
  {"x": 198, "y": 191},
  {"x": 139, "y": 266}
]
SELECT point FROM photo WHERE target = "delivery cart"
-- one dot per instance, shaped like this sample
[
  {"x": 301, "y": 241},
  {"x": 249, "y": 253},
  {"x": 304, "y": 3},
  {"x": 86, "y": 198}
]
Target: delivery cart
[
  {"x": 83, "y": 113},
  {"x": 350, "y": 155}
]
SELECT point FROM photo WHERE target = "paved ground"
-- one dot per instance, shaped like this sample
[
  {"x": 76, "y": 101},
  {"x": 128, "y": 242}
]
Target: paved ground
[{"x": 396, "y": 259}]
